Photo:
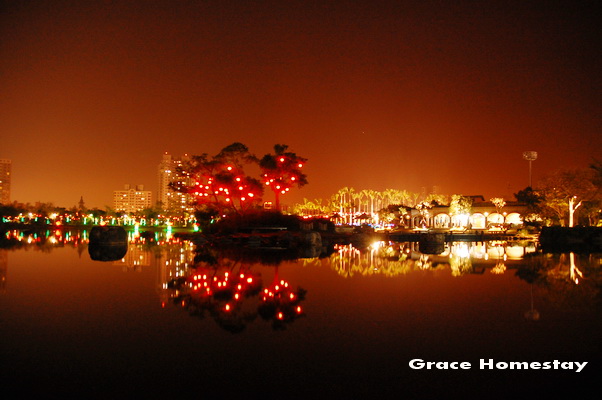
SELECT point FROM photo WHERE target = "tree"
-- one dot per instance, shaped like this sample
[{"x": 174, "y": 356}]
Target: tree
[
  {"x": 596, "y": 167},
  {"x": 371, "y": 196},
  {"x": 423, "y": 208},
  {"x": 310, "y": 208},
  {"x": 220, "y": 182},
  {"x": 529, "y": 197},
  {"x": 437, "y": 199},
  {"x": 499, "y": 203},
  {"x": 460, "y": 206},
  {"x": 565, "y": 191},
  {"x": 281, "y": 171},
  {"x": 343, "y": 202}
]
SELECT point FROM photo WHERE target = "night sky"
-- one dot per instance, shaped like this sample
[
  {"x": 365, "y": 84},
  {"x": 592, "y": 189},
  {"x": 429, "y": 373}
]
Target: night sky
[{"x": 375, "y": 94}]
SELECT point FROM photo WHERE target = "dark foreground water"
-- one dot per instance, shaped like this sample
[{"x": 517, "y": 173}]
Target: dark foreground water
[{"x": 159, "y": 323}]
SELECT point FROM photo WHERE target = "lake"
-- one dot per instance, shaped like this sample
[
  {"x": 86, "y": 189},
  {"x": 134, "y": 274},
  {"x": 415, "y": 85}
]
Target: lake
[{"x": 168, "y": 318}]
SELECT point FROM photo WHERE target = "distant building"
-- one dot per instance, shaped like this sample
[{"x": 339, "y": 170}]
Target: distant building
[
  {"x": 5, "y": 166},
  {"x": 167, "y": 198},
  {"x": 81, "y": 206},
  {"x": 132, "y": 200}
]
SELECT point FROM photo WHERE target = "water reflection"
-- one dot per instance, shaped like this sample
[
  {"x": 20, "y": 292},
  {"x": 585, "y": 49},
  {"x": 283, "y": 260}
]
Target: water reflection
[
  {"x": 568, "y": 280},
  {"x": 99, "y": 252},
  {"x": 227, "y": 285},
  {"x": 398, "y": 258},
  {"x": 228, "y": 288}
]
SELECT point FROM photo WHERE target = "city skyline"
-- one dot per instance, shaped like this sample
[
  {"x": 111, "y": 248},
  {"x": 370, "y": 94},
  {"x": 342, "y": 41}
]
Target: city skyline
[{"x": 380, "y": 95}]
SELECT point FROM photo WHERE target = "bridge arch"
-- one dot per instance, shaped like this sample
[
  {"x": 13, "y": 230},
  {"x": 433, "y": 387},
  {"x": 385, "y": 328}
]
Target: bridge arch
[
  {"x": 478, "y": 221},
  {"x": 495, "y": 218},
  {"x": 441, "y": 220},
  {"x": 514, "y": 219}
]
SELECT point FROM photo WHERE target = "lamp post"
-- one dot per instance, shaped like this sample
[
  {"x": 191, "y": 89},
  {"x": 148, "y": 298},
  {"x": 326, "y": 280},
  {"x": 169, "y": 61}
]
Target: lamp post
[{"x": 530, "y": 156}]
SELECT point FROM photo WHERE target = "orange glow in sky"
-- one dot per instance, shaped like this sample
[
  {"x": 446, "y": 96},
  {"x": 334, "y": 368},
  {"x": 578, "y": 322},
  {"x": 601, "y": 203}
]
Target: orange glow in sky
[{"x": 375, "y": 94}]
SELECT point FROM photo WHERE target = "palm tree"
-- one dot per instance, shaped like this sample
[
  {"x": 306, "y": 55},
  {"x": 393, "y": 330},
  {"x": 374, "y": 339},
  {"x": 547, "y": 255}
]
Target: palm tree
[
  {"x": 355, "y": 202},
  {"x": 395, "y": 195}
]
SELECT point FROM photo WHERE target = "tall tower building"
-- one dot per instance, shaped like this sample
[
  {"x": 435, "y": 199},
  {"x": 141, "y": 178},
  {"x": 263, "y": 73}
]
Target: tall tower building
[
  {"x": 5, "y": 181},
  {"x": 170, "y": 200}
]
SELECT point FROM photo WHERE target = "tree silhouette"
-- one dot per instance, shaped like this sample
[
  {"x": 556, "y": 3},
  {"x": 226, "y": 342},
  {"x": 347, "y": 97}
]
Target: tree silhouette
[
  {"x": 220, "y": 182},
  {"x": 281, "y": 171}
]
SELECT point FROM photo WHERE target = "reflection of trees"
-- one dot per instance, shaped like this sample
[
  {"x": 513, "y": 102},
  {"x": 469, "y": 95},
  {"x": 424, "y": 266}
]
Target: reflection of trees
[
  {"x": 424, "y": 262},
  {"x": 460, "y": 265},
  {"x": 218, "y": 294},
  {"x": 281, "y": 304},
  {"x": 532, "y": 314},
  {"x": 499, "y": 268},
  {"x": 567, "y": 279},
  {"x": 41, "y": 240},
  {"x": 227, "y": 290},
  {"x": 379, "y": 259},
  {"x": 459, "y": 260}
]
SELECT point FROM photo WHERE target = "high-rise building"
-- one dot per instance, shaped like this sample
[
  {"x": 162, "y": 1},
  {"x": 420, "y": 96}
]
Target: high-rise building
[
  {"x": 169, "y": 199},
  {"x": 132, "y": 200},
  {"x": 5, "y": 181}
]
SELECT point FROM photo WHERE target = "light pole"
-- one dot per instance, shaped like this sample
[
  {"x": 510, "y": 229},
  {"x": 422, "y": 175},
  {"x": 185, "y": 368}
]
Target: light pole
[{"x": 530, "y": 156}]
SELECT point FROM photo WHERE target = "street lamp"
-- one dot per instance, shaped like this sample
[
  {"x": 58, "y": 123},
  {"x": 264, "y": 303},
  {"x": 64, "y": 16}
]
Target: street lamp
[{"x": 530, "y": 156}]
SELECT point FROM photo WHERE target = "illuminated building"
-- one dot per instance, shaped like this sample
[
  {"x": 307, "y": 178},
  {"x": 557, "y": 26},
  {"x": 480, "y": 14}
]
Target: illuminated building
[
  {"x": 132, "y": 200},
  {"x": 482, "y": 215},
  {"x": 5, "y": 181},
  {"x": 167, "y": 198}
]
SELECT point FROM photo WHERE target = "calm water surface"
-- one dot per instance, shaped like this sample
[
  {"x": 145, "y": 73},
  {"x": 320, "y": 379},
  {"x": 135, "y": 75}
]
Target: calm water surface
[{"x": 342, "y": 324}]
